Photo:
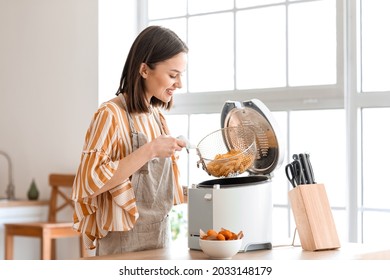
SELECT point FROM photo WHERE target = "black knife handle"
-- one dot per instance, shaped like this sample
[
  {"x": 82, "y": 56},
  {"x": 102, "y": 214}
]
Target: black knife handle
[
  {"x": 310, "y": 168},
  {"x": 302, "y": 176},
  {"x": 305, "y": 165}
]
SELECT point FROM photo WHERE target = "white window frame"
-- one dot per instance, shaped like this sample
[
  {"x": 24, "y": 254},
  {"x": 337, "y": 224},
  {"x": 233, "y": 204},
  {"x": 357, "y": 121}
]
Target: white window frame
[{"x": 355, "y": 101}]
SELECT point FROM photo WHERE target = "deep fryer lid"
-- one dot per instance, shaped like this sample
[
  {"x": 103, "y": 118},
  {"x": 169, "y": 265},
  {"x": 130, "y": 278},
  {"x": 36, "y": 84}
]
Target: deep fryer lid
[{"x": 270, "y": 151}]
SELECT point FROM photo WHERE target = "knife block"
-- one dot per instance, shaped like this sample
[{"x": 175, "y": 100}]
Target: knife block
[{"x": 313, "y": 217}]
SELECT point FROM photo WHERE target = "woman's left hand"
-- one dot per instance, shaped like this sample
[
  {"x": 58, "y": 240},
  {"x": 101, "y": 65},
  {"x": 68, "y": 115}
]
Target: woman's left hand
[{"x": 166, "y": 146}]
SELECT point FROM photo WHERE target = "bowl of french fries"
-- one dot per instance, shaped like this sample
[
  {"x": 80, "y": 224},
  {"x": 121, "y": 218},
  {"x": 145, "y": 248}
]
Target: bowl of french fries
[
  {"x": 222, "y": 244},
  {"x": 227, "y": 152}
]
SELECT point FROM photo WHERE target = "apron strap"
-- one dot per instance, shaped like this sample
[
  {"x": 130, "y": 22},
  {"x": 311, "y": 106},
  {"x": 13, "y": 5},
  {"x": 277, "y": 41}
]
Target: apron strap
[
  {"x": 134, "y": 133},
  {"x": 161, "y": 122},
  {"x": 131, "y": 123}
]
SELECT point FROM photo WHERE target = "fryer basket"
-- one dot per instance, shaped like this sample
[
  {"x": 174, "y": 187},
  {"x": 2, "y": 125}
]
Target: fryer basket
[{"x": 227, "y": 152}]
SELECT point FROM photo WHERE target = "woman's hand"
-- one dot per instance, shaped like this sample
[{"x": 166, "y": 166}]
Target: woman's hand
[
  {"x": 162, "y": 146},
  {"x": 166, "y": 146}
]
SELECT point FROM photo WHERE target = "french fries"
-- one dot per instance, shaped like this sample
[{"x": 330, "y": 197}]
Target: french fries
[{"x": 229, "y": 163}]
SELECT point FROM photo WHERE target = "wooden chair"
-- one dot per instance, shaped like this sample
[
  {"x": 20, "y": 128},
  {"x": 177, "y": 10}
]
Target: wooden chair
[{"x": 51, "y": 229}]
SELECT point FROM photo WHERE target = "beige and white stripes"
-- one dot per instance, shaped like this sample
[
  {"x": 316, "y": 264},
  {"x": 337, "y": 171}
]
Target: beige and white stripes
[{"x": 108, "y": 140}]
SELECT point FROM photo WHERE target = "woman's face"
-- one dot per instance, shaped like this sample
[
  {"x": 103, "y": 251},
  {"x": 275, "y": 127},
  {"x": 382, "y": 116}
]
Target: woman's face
[{"x": 165, "y": 78}]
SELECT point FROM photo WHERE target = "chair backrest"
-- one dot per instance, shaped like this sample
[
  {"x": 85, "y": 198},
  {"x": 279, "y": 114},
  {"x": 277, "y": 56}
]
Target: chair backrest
[{"x": 59, "y": 184}]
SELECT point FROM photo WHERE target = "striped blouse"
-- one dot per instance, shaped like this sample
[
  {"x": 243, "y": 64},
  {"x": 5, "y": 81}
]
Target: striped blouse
[{"x": 108, "y": 140}]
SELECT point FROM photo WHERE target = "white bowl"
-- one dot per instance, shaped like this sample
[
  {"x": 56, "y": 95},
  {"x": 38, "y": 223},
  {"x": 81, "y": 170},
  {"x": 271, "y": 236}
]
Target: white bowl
[{"x": 217, "y": 249}]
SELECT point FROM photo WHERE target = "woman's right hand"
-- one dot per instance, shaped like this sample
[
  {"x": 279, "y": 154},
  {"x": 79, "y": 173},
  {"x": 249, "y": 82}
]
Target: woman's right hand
[{"x": 166, "y": 146}]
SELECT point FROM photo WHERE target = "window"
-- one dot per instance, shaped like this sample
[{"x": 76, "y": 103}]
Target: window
[
  {"x": 210, "y": 66},
  {"x": 373, "y": 106},
  {"x": 255, "y": 45},
  {"x": 319, "y": 66},
  {"x": 374, "y": 191},
  {"x": 261, "y": 49},
  {"x": 374, "y": 46},
  {"x": 312, "y": 43}
]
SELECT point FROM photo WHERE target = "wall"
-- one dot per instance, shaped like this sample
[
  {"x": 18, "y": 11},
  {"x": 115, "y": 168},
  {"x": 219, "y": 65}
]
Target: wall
[
  {"x": 117, "y": 31},
  {"x": 55, "y": 57},
  {"x": 48, "y": 88}
]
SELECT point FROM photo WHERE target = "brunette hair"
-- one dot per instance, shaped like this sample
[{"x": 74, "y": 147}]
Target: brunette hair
[{"x": 154, "y": 44}]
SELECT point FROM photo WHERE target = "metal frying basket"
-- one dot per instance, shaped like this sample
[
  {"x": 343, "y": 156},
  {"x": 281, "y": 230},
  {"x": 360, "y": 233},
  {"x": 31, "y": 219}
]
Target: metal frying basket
[{"x": 227, "y": 152}]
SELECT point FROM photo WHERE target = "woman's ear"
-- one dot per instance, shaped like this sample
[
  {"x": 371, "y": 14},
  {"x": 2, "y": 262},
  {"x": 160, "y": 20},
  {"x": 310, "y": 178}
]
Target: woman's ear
[{"x": 143, "y": 70}]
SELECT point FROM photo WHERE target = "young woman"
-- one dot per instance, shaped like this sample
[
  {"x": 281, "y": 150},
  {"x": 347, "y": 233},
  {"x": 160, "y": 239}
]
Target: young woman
[{"x": 127, "y": 180}]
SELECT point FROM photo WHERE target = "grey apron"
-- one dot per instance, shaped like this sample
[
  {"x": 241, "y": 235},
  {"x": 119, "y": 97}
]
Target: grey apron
[{"x": 153, "y": 187}]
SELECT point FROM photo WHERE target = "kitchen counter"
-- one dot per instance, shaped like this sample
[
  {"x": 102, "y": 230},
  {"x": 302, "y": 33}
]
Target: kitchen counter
[
  {"x": 349, "y": 251},
  {"x": 19, "y": 203}
]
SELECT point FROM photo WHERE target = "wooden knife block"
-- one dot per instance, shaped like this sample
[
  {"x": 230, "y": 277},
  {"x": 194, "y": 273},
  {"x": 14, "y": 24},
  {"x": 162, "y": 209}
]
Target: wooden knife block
[{"x": 313, "y": 217}]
